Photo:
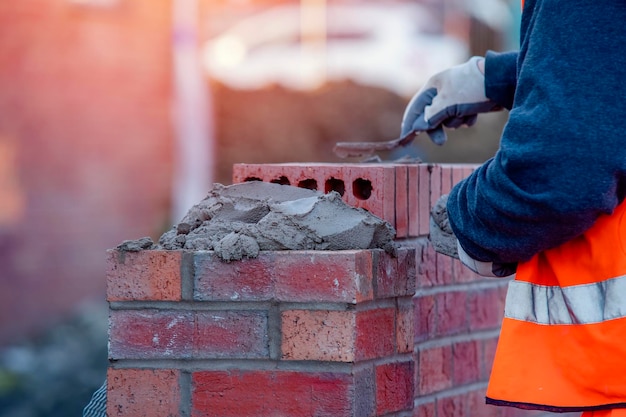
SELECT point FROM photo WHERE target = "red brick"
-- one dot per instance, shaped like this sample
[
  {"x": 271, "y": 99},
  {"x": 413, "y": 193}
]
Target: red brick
[
  {"x": 319, "y": 335},
  {"x": 342, "y": 336},
  {"x": 144, "y": 275},
  {"x": 489, "y": 352},
  {"x": 146, "y": 334},
  {"x": 427, "y": 275},
  {"x": 451, "y": 313},
  {"x": 425, "y": 317},
  {"x": 445, "y": 275},
  {"x": 395, "y": 276},
  {"x": 447, "y": 174},
  {"x": 467, "y": 362},
  {"x": 402, "y": 202},
  {"x": 435, "y": 371},
  {"x": 453, "y": 406},
  {"x": 231, "y": 334},
  {"x": 377, "y": 180},
  {"x": 435, "y": 184},
  {"x": 413, "y": 200},
  {"x": 394, "y": 387},
  {"x": 293, "y": 276},
  {"x": 486, "y": 308},
  {"x": 324, "y": 276},
  {"x": 149, "y": 334},
  {"x": 407, "y": 272},
  {"x": 375, "y": 333},
  {"x": 239, "y": 393},
  {"x": 423, "y": 194},
  {"x": 143, "y": 393},
  {"x": 458, "y": 173},
  {"x": 245, "y": 280},
  {"x": 382, "y": 178},
  {"x": 405, "y": 326}
]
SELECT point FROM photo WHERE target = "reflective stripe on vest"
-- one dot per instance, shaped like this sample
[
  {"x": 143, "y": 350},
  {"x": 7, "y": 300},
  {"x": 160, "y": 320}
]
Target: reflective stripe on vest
[
  {"x": 562, "y": 345},
  {"x": 579, "y": 304}
]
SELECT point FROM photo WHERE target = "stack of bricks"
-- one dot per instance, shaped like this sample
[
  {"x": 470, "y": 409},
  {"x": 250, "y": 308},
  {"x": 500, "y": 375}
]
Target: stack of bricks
[{"x": 353, "y": 333}]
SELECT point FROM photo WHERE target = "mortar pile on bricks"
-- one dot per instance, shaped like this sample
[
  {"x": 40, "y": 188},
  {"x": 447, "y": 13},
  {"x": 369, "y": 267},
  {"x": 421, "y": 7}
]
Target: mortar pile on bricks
[{"x": 302, "y": 290}]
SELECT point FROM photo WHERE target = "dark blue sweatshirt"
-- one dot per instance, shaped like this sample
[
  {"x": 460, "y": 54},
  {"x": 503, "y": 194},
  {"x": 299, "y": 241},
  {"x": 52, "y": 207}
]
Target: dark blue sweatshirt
[{"x": 562, "y": 157}]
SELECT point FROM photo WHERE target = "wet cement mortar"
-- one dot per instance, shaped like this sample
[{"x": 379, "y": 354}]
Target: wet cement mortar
[{"x": 241, "y": 220}]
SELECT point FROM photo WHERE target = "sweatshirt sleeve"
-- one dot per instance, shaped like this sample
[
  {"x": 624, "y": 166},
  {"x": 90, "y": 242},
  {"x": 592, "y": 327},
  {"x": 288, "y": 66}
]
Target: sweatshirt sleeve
[
  {"x": 562, "y": 157},
  {"x": 501, "y": 77}
]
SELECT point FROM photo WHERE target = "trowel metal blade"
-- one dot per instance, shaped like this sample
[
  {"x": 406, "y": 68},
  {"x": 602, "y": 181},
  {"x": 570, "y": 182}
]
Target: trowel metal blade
[{"x": 361, "y": 149}]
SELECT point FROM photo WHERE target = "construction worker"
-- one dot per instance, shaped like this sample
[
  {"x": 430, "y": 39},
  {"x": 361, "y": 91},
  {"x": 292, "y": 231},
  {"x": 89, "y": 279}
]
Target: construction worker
[{"x": 549, "y": 205}]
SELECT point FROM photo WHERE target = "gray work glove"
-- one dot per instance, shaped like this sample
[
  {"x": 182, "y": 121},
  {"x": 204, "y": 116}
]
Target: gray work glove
[
  {"x": 451, "y": 98},
  {"x": 445, "y": 242}
]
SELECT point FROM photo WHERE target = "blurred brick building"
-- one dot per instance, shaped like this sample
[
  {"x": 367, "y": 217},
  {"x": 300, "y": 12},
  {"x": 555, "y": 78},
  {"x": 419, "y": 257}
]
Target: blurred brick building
[{"x": 85, "y": 138}]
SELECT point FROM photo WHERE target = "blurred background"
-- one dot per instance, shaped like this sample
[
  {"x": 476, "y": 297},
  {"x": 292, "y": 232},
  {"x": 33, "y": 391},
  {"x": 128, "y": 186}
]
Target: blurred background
[{"x": 117, "y": 115}]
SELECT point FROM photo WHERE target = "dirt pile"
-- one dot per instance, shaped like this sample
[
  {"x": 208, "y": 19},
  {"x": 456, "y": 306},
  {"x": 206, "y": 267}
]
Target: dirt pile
[{"x": 239, "y": 220}]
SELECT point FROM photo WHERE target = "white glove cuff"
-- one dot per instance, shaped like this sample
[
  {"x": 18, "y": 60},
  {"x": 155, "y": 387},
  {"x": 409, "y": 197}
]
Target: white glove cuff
[{"x": 485, "y": 269}]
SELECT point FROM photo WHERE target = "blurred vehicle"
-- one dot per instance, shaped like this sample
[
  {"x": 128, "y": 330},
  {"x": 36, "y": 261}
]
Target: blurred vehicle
[{"x": 396, "y": 47}]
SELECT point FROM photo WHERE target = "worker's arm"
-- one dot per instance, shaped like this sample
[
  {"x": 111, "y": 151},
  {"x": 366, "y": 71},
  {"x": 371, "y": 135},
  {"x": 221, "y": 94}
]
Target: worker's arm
[
  {"x": 562, "y": 159},
  {"x": 500, "y": 71}
]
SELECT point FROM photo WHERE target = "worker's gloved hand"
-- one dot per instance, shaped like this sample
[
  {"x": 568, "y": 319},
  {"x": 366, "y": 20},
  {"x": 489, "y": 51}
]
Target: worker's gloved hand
[
  {"x": 445, "y": 242},
  {"x": 451, "y": 98}
]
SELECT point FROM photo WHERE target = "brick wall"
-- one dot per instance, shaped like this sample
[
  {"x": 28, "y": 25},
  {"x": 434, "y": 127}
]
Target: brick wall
[
  {"x": 301, "y": 333},
  {"x": 85, "y": 148}
]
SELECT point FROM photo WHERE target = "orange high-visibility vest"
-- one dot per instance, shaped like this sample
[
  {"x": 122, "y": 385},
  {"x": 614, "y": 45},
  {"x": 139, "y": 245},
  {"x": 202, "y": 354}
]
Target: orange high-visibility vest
[{"x": 562, "y": 345}]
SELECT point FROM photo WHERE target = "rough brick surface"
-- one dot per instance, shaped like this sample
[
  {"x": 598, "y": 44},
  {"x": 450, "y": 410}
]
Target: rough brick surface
[
  {"x": 319, "y": 335},
  {"x": 402, "y": 201},
  {"x": 395, "y": 277},
  {"x": 342, "y": 336},
  {"x": 486, "y": 307},
  {"x": 467, "y": 362},
  {"x": 452, "y": 317},
  {"x": 290, "y": 276},
  {"x": 162, "y": 334},
  {"x": 394, "y": 387},
  {"x": 145, "y": 275},
  {"x": 425, "y": 312},
  {"x": 435, "y": 371},
  {"x": 239, "y": 393},
  {"x": 405, "y": 325},
  {"x": 375, "y": 333},
  {"x": 143, "y": 393},
  {"x": 149, "y": 334},
  {"x": 231, "y": 334}
]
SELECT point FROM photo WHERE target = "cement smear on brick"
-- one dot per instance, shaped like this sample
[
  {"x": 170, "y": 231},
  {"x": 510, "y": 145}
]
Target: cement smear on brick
[{"x": 238, "y": 221}]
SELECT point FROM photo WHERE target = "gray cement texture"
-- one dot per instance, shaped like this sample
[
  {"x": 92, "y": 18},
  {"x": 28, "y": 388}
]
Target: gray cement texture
[{"x": 239, "y": 220}]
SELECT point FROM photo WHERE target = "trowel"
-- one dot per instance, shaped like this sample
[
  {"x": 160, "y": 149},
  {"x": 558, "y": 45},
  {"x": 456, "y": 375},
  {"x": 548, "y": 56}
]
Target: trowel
[{"x": 363, "y": 149}]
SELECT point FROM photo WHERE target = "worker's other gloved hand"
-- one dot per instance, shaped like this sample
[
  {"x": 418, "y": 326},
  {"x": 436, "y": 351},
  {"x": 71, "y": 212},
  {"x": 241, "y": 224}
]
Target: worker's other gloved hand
[
  {"x": 451, "y": 98},
  {"x": 441, "y": 235},
  {"x": 445, "y": 242}
]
